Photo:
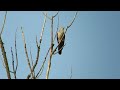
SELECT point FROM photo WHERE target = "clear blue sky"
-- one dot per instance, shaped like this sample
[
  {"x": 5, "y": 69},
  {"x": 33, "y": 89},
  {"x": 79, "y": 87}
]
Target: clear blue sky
[{"x": 92, "y": 44}]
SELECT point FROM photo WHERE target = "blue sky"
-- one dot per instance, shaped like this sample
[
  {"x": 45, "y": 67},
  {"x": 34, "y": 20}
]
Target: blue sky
[{"x": 92, "y": 43}]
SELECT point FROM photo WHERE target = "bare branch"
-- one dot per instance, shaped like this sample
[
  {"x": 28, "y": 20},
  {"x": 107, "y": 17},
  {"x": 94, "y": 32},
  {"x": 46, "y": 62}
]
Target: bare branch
[
  {"x": 38, "y": 46},
  {"x": 27, "y": 53},
  {"x": 47, "y": 16},
  {"x": 14, "y": 72},
  {"x": 3, "y": 23},
  {"x": 43, "y": 27},
  {"x": 16, "y": 54},
  {"x": 31, "y": 57},
  {"x": 71, "y": 22},
  {"x": 50, "y": 17},
  {"x": 5, "y": 58},
  {"x": 32, "y": 61},
  {"x": 37, "y": 42},
  {"x": 51, "y": 50},
  {"x": 2, "y": 61},
  {"x": 57, "y": 29},
  {"x": 55, "y": 14},
  {"x": 42, "y": 67}
]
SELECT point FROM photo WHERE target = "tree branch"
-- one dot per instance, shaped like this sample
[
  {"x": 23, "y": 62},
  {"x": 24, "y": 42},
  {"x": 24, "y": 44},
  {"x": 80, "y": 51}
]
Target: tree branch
[
  {"x": 42, "y": 67},
  {"x": 38, "y": 45},
  {"x": 3, "y": 23},
  {"x": 5, "y": 58},
  {"x": 13, "y": 63},
  {"x": 27, "y": 53},
  {"x": 51, "y": 50},
  {"x": 71, "y": 22}
]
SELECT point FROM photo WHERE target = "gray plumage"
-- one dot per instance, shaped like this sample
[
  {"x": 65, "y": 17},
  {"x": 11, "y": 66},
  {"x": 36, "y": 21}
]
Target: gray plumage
[{"x": 60, "y": 39}]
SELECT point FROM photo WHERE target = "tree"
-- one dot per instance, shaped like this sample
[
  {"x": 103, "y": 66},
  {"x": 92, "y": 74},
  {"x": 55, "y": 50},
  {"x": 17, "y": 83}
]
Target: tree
[{"x": 52, "y": 50}]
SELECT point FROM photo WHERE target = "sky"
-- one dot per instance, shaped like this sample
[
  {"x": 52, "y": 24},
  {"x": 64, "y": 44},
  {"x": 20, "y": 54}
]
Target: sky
[{"x": 92, "y": 47}]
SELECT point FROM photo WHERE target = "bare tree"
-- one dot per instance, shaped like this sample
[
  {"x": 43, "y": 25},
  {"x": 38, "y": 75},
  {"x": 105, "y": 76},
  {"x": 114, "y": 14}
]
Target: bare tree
[{"x": 52, "y": 50}]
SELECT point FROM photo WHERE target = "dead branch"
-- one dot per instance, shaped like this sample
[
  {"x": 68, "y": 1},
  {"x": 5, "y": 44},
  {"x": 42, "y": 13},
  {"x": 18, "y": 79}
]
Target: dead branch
[
  {"x": 3, "y": 23},
  {"x": 71, "y": 22},
  {"x": 14, "y": 72},
  {"x": 42, "y": 67},
  {"x": 27, "y": 53},
  {"x": 51, "y": 50},
  {"x": 46, "y": 15},
  {"x": 55, "y": 14},
  {"x": 16, "y": 55},
  {"x": 52, "y": 16},
  {"x": 5, "y": 58},
  {"x": 32, "y": 61},
  {"x": 3, "y": 50},
  {"x": 38, "y": 45},
  {"x": 57, "y": 29}
]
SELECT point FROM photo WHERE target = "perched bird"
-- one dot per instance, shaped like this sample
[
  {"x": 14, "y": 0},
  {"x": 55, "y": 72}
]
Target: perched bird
[{"x": 60, "y": 39}]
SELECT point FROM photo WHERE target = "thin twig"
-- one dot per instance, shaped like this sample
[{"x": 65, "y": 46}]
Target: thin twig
[
  {"x": 13, "y": 63},
  {"x": 31, "y": 57},
  {"x": 71, "y": 22},
  {"x": 27, "y": 53},
  {"x": 57, "y": 29},
  {"x": 38, "y": 46},
  {"x": 16, "y": 55},
  {"x": 3, "y": 23},
  {"x": 42, "y": 67},
  {"x": 55, "y": 14},
  {"x": 37, "y": 42},
  {"x": 32, "y": 60},
  {"x": 5, "y": 59},
  {"x": 2, "y": 61},
  {"x": 3, "y": 50},
  {"x": 52, "y": 16},
  {"x": 46, "y": 16},
  {"x": 51, "y": 50}
]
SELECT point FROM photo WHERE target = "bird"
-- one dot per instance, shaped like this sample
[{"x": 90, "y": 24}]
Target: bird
[{"x": 60, "y": 39}]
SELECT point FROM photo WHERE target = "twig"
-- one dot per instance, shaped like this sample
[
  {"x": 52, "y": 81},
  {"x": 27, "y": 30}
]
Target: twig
[
  {"x": 55, "y": 14},
  {"x": 3, "y": 23},
  {"x": 32, "y": 60},
  {"x": 16, "y": 55},
  {"x": 57, "y": 29},
  {"x": 46, "y": 15},
  {"x": 27, "y": 53},
  {"x": 41, "y": 69},
  {"x": 52, "y": 16},
  {"x": 71, "y": 22},
  {"x": 2, "y": 61},
  {"x": 51, "y": 50},
  {"x": 38, "y": 46},
  {"x": 37, "y": 42},
  {"x": 13, "y": 63},
  {"x": 5, "y": 59},
  {"x": 31, "y": 57},
  {"x": 4, "y": 64}
]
